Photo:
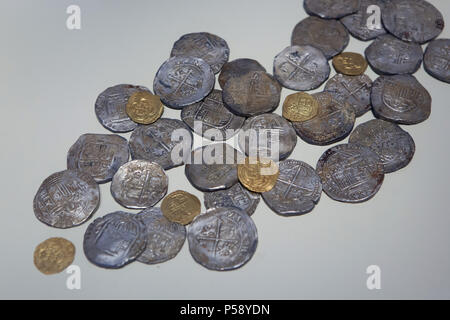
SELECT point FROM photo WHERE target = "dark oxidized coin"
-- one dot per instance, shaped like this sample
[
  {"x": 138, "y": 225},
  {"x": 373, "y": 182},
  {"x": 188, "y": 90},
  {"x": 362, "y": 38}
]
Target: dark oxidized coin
[
  {"x": 392, "y": 144},
  {"x": 437, "y": 59},
  {"x": 237, "y": 68},
  {"x": 331, "y": 9}
]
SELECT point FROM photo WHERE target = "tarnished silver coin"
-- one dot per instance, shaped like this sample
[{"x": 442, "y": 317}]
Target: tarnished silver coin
[
  {"x": 301, "y": 68},
  {"x": 437, "y": 59},
  {"x": 100, "y": 155},
  {"x": 350, "y": 173},
  {"x": 268, "y": 136},
  {"x": 331, "y": 9},
  {"x": 412, "y": 20},
  {"x": 66, "y": 199},
  {"x": 392, "y": 144},
  {"x": 389, "y": 55},
  {"x": 222, "y": 238},
  {"x": 401, "y": 99},
  {"x": 114, "y": 240},
  {"x": 110, "y": 107},
  {"x": 357, "y": 24},
  {"x": 333, "y": 122},
  {"x": 330, "y": 36},
  {"x": 297, "y": 191},
  {"x": 181, "y": 81},
  {"x": 251, "y": 94},
  {"x": 139, "y": 184},
  {"x": 213, "y": 167},
  {"x": 154, "y": 142},
  {"x": 237, "y": 196},
  {"x": 209, "y": 47},
  {"x": 164, "y": 238},
  {"x": 211, "y": 119},
  {"x": 352, "y": 89},
  {"x": 237, "y": 68}
]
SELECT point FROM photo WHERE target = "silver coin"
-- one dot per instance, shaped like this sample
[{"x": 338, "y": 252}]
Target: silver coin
[
  {"x": 213, "y": 167},
  {"x": 209, "y": 47},
  {"x": 211, "y": 119},
  {"x": 389, "y": 55},
  {"x": 392, "y": 144},
  {"x": 297, "y": 191},
  {"x": 269, "y": 136},
  {"x": 330, "y": 36},
  {"x": 154, "y": 142},
  {"x": 236, "y": 196},
  {"x": 181, "y": 81},
  {"x": 139, "y": 184},
  {"x": 66, "y": 199},
  {"x": 401, "y": 99},
  {"x": 222, "y": 238},
  {"x": 350, "y": 173},
  {"x": 301, "y": 68},
  {"x": 114, "y": 240},
  {"x": 100, "y": 155},
  {"x": 412, "y": 20},
  {"x": 331, "y": 9},
  {"x": 237, "y": 68},
  {"x": 110, "y": 107},
  {"x": 164, "y": 238},
  {"x": 333, "y": 122},
  {"x": 437, "y": 59},
  {"x": 352, "y": 89},
  {"x": 357, "y": 25}
]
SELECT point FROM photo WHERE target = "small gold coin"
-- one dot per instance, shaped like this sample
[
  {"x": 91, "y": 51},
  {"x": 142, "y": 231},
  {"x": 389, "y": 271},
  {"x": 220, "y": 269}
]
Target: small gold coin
[
  {"x": 144, "y": 107},
  {"x": 257, "y": 174},
  {"x": 350, "y": 63},
  {"x": 300, "y": 106},
  {"x": 54, "y": 255},
  {"x": 181, "y": 207}
]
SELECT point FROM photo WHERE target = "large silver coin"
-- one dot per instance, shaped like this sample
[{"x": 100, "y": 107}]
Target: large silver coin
[
  {"x": 268, "y": 136},
  {"x": 237, "y": 68},
  {"x": 236, "y": 196},
  {"x": 412, "y": 20},
  {"x": 209, "y": 47},
  {"x": 437, "y": 59},
  {"x": 100, "y": 155},
  {"x": 164, "y": 238},
  {"x": 110, "y": 107},
  {"x": 392, "y": 144},
  {"x": 297, "y": 191},
  {"x": 222, "y": 239},
  {"x": 350, "y": 173},
  {"x": 401, "y": 99},
  {"x": 331, "y": 9},
  {"x": 154, "y": 142},
  {"x": 389, "y": 55},
  {"x": 211, "y": 119},
  {"x": 66, "y": 199},
  {"x": 330, "y": 36},
  {"x": 301, "y": 68},
  {"x": 181, "y": 81},
  {"x": 114, "y": 240},
  {"x": 139, "y": 184}
]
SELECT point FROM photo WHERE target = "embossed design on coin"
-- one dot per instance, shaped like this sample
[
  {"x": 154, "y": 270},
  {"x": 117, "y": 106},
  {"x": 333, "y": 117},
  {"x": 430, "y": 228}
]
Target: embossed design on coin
[
  {"x": 300, "y": 106},
  {"x": 437, "y": 59},
  {"x": 401, "y": 99},
  {"x": 66, "y": 199},
  {"x": 350, "y": 63},
  {"x": 238, "y": 68},
  {"x": 181, "y": 81},
  {"x": 144, "y": 107},
  {"x": 100, "y": 155},
  {"x": 350, "y": 173},
  {"x": 392, "y": 144},
  {"x": 331, "y": 9},
  {"x": 54, "y": 255},
  {"x": 236, "y": 196},
  {"x": 114, "y": 240},
  {"x": 139, "y": 184},
  {"x": 181, "y": 207},
  {"x": 257, "y": 174},
  {"x": 222, "y": 239}
]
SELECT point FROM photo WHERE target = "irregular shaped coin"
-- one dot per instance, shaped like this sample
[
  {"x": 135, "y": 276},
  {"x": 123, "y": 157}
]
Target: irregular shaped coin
[
  {"x": 258, "y": 174},
  {"x": 300, "y": 106},
  {"x": 436, "y": 60},
  {"x": 237, "y": 68},
  {"x": 54, "y": 255},
  {"x": 331, "y": 9},
  {"x": 144, "y": 107},
  {"x": 181, "y": 207},
  {"x": 350, "y": 63}
]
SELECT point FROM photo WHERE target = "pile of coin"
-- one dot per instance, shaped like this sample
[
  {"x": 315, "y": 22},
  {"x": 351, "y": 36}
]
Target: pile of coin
[{"x": 224, "y": 237}]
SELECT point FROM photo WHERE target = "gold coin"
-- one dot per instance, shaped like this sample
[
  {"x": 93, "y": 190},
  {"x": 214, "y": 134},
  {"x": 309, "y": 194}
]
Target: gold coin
[
  {"x": 350, "y": 63},
  {"x": 54, "y": 255},
  {"x": 144, "y": 107},
  {"x": 300, "y": 106},
  {"x": 181, "y": 207},
  {"x": 257, "y": 174}
]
